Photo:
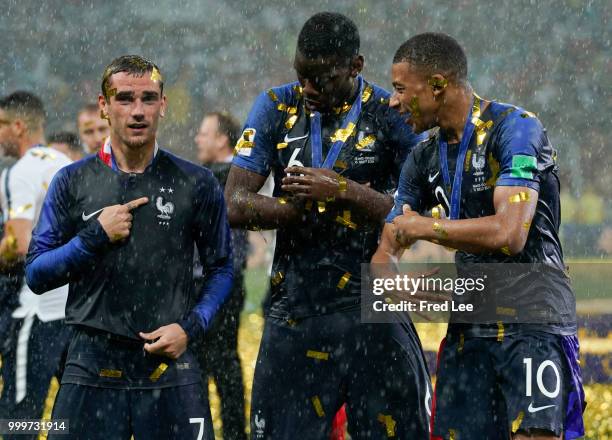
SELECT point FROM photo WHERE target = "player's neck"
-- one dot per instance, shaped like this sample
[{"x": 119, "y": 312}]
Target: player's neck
[
  {"x": 130, "y": 159},
  {"x": 454, "y": 113}
]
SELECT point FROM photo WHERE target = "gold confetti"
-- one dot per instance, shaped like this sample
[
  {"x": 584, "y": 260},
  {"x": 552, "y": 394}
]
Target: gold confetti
[
  {"x": 321, "y": 207},
  {"x": 155, "y": 75},
  {"x": 319, "y": 355},
  {"x": 104, "y": 372},
  {"x": 342, "y": 184},
  {"x": 414, "y": 107},
  {"x": 109, "y": 94},
  {"x": 500, "y": 331},
  {"x": 282, "y": 200},
  {"x": 342, "y": 109},
  {"x": 516, "y": 424},
  {"x": 365, "y": 142},
  {"x": 342, "y": 134},
  {"x": 158, "y": 372},
  {"x": 527, "y": 114},
  {"x": 506, "y": 250},
  {"x": 466, "y": 164},
  {"x": 344, "y": 280},
  {"x": 289, "y": 123},
  {"x": 367, "y": 93},
  {"x": 341, "y": 164},
  {"x": 439, "y": 230},
  {"x": 505, "y": 311},
  {"x": 316, "y": 402},
  {"x": 436, "y": 211},
  {"x": 277, "y": 278},
  {"x": 281, "y": 145},
  {"x": 272, "y": 95},
  {"x": 435, "y": 82},
  {"x": 389, "y": 423},
  {"x": 521, "y": 196},
  {"x": 452, "y": 434},
  {"x": 345, "y": 219},
  {"x": 20, "y": 210},
  {"x": 527, "y": 225}
]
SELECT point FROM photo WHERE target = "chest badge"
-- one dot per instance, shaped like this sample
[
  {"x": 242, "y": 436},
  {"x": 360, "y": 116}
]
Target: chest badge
[
  {"x": 478, "y": 162},
  {"x": 165, "y": 207}
]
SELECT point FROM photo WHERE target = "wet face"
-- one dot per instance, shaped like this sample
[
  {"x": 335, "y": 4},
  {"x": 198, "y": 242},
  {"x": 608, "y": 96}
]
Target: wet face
[
  {"x": 327, "y": 82},
  {"x": 209, "y": 141},
  {"x": 134, "y": 107},
  {"x": 9, "y": 135},
  {"x": 414, "y": 97},
  {"x": 93, "y": 130}
]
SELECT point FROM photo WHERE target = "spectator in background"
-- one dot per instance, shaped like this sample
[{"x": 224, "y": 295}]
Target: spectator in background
[
  {"x": 93, "y": 129},
  {"x": 218, "y": 357},
  {"x": 68, "y": 143},
  {"x": 34, "y": 337}
]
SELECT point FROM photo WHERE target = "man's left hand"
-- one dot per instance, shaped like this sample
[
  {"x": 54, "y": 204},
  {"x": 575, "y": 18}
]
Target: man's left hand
[
  {"x": 168, "y": 340},
  {"x": 318, "y": 184}
]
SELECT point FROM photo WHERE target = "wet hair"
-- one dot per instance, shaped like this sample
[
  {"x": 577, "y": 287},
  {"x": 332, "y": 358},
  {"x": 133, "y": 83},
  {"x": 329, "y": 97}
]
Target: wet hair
[
  {"x": 131, "y": 64},
  {"x": 228, "y": 125},
  {"x": 68, "y": 138},
  {"x": 328, "y": 34},
  {"x": 89, "y": 108},
  {"x": 434, "y": 53},
  {"x": 26, "y": 106}
]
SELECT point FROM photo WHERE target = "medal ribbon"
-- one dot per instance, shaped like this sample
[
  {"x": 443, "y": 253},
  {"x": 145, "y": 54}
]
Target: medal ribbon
[{"x": 342, "y": 135}]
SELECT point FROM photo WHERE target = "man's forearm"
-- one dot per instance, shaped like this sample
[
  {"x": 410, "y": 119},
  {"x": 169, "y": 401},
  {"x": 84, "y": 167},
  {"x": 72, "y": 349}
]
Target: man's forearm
[
  {"x": 217, "y": 288},
  {"x": 369, "y": 203},
  {"x": 255, "y": 211},
  {"x": 484, "y": 234}
]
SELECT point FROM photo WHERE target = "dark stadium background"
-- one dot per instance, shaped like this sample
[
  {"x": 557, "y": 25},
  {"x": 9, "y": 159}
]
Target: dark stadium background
[{"x": 551, "y": 57}]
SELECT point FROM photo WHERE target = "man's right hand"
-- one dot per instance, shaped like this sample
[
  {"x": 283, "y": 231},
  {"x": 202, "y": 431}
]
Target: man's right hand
[{"x": 116, "y": 220}]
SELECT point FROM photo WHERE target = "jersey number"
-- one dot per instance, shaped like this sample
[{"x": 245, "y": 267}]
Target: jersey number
[
  {"x": 200, "y": 421},
  {"x": 539, "y": 374},
  {"x": 293, "y": 162}
]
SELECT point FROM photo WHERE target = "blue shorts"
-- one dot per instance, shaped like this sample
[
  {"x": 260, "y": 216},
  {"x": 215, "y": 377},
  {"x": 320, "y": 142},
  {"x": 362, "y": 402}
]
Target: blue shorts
[
  {"x": 307, "y": 370},
  {"x": 488, "y": 388},
  {"x": 93, "y": 413}
]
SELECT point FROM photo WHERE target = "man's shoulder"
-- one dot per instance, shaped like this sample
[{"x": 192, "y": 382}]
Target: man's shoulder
[
  {"x": 37, "y": 162},
  {"x": 288, "y": 94},
  {"x": 512, "y": 116},
  {"x": 188, "y": 169},
  {"x": 429, "y": 145}
]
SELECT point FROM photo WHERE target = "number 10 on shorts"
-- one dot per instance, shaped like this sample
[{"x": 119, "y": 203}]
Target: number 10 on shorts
[{"x": 539, "y": 378}]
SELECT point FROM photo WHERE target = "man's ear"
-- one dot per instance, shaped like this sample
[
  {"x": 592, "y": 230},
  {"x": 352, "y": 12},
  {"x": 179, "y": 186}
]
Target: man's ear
[
  {"x": 438, "y": 83},
  {"x": 164, "y": 106},
  {"x": 103, "y": 107},
  {"x": 357, "y": 65},
  {"x": 19, "y": 127}
]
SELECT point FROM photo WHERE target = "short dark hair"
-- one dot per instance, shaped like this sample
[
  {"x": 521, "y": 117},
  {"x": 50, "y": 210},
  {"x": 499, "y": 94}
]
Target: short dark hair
[
  {"x": 89, "y": 108},
  {"x": 131, "y": 64},
  {"x": 66, "y": 137},
  {"x": 329, "y": 34},
  {"x": 26, "y": 106},
  {"x": 434, "y": 53},
  {"x": 228, "y": 125}
]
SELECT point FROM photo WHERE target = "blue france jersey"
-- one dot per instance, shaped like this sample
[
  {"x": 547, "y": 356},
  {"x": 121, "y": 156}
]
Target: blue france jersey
[
  {"x": 316, "y": 266},
  {"x": 515, "y": 152}
]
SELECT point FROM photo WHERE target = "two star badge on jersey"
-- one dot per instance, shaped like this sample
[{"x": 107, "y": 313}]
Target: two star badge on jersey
[{"x": 164, "y": 206}]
